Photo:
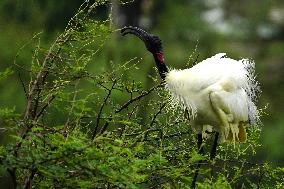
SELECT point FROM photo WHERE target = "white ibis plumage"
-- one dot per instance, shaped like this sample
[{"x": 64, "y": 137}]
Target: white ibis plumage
[{"x": 219, "y": 92}]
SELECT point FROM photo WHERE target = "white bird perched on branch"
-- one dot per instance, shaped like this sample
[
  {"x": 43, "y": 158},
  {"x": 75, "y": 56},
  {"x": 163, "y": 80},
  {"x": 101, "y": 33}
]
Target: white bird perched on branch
[{"x": 218, "y": 92}]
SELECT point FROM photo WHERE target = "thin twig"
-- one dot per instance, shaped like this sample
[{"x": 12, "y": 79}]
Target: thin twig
[
  {"x": 104, "y": 127},
  {"x": 36, "y": 82},
  {"x": 178, "y": 134},
  {"x": 196, "y": 59},
  {"x": 36, "y": 99},
  {"x": 143, "y": 94},
  {"x": 72, "y": 107},
  {"x": 23, "y": 85},
  {"x": 151, "y": 130},
  {"x": 156, "y": 115},
  {"x": 45, "y": 106},
  {"x": 102, "y": 106}
]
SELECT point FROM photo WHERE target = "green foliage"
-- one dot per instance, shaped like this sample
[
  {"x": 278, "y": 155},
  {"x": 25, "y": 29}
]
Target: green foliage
[
  {"x": 76, "y": 161},
  {"x": 120, "y": 135},
  {"x": 6, "y": 73}
]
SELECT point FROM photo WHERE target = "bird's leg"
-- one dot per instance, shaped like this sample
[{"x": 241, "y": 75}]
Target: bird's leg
[
  {"x": 214, "y": 146},
  {"x": 219, "y": 108},
  {"x": 200, "y": 151},
  {"x": 199, "y": 143},
  {"x": 186, "y": 114}
]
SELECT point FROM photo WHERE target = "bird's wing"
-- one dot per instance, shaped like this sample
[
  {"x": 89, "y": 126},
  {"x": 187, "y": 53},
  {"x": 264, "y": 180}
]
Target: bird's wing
[
  {"x": 219, "y": 74},
  {"x": 231, "y": 108}
]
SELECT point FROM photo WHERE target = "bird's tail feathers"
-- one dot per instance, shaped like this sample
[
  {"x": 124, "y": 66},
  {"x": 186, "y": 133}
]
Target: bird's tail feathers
[{"x": 252, "y": 89}]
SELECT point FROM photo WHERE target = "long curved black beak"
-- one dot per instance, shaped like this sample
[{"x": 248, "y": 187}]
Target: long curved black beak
[
  {"x": 152, "y": 42},
  {"x": 143, "y": 35}
]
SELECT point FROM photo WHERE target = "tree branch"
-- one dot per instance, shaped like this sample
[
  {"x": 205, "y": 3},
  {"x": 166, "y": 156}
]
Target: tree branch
[
  {"x": 23, "y": 85},
  {"x": 156, "y": 115},
  {"x": 45, "y": 106},
  {"x": 143, "y": 94},
  {"x": 102, "y": 106}
]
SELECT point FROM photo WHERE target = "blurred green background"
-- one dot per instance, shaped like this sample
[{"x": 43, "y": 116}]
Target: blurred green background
[{"x": 189, "y": 28}]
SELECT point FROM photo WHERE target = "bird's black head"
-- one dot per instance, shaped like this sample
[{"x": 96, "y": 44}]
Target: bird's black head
[{"x": 152, "y": 42}]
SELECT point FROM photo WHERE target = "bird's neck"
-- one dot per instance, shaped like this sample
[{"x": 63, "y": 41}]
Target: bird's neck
[{"x": 160, "y": 63}]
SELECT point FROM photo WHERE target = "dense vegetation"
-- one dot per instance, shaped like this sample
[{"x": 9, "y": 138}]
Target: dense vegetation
[{"x": 89, "y": 122}]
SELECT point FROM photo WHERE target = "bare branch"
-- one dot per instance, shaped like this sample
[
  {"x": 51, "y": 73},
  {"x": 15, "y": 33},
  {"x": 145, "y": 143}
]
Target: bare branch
[
  {"x": 143, "y": 94},
  {"x": 156, "y": 115},
  {"x": 45, "y": 106},
  {"x": 23, "y": 85},
  {"x": 102, "y": 106},
  {"x": 37, "y": 81},
  {"x": 104, "y": 127}
]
